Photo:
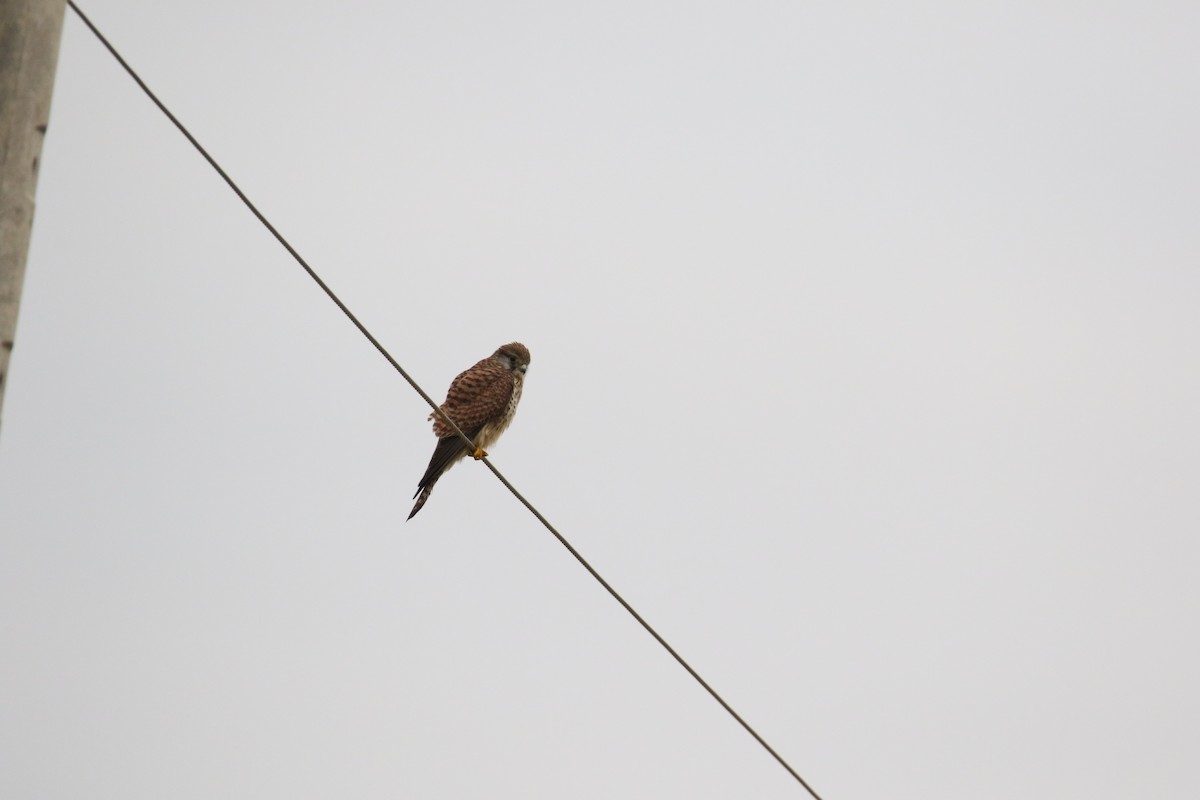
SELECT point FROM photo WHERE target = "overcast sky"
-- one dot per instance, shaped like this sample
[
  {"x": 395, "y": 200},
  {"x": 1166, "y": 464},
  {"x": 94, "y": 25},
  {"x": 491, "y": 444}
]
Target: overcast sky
[{"x": 865, "y": 365}]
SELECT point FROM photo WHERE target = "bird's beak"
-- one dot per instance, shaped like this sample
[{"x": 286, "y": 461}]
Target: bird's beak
[{"x": 522, "y": 367}]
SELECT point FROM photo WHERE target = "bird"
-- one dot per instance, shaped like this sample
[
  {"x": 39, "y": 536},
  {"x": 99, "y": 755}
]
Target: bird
[{"x": 482, "y": 402}]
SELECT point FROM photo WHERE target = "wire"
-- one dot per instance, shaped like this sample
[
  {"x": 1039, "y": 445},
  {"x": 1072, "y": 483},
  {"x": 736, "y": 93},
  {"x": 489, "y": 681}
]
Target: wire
[{"x": 396, "y": 365}]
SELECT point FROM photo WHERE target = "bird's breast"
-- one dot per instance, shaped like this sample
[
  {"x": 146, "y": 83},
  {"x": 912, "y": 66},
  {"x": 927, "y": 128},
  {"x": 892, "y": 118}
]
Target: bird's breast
[{"x": 491, "y": 430}]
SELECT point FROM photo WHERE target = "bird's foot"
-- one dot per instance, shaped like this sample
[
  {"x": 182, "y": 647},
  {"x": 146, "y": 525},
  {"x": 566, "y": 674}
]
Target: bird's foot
[{"x": 479, "y": 453}]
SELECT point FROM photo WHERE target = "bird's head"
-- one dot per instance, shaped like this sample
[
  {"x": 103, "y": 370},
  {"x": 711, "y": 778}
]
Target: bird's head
[{"x": 515, "y": 356}]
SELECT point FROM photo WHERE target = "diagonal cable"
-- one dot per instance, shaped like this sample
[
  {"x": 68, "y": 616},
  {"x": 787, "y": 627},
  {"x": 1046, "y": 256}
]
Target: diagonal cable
[{"x": 396, "y": 365}]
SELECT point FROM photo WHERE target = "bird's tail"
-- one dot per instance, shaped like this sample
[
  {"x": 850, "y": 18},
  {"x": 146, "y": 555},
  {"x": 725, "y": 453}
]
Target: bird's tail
[
  {"x": 421, "y": 496},
  {"x": 449, "y": 450}
]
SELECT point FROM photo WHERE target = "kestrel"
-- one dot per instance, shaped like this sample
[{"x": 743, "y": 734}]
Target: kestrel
[{"x": 482, "y": 402}]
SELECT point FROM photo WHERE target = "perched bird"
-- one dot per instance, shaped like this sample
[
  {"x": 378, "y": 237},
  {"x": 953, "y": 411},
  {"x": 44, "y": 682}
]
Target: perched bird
[{"x": 482, "y": 402}]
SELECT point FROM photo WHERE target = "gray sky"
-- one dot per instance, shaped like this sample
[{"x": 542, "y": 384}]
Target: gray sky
[{"x": 864, "y": 364}]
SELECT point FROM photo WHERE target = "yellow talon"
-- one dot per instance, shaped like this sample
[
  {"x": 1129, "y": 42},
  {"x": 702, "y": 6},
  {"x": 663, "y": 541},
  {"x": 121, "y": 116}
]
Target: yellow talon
[{"x": 479, "y": 453}]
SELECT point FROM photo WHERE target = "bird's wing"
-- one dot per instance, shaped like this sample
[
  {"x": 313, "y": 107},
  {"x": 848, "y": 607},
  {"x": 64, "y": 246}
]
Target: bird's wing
[{"x": 476, "y": 397}]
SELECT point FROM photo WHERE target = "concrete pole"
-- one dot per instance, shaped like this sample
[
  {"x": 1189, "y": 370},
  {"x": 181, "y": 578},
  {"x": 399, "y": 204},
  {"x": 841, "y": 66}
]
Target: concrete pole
[{"x": 29, "y": 34}]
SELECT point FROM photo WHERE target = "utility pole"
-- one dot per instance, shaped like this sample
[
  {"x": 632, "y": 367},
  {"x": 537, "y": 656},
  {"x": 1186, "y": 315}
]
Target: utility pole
[{"x": 30, "y": 31}]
